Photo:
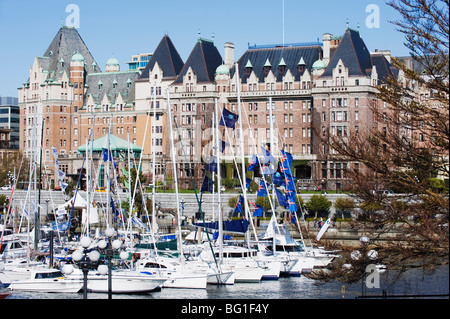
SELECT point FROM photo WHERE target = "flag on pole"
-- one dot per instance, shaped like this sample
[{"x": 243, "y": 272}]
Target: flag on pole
[
  {"x": 61, "y": 175},
  {"x": 228, "y": 119},
  {"x": 270, "y": 163},
  {"x": 293, "y": 218},
  {"x": 207, "y": 185},
  {"x": 286, "y": 162},
  {"x": 262, "y": 190},
  {"x": 281, "y": 199},
  {"x": 292, "y": 203},
  {"x": 223, "y": 144},
  {"x": 247, "y": 182},
  {"x": 254, "y": 163},
  {"x": 212, "y": 165},
  {"x": 238, "y": 207}
]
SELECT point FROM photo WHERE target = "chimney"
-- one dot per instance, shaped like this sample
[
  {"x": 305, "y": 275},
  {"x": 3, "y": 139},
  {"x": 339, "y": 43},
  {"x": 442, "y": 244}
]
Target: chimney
[
  {"x": 229, "y": 54},
  {"x": 326, "y": 47}
]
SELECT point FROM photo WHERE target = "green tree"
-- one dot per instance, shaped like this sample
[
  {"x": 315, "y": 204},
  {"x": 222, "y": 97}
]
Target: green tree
[
  {"x": 319, "y": 206},
  {"x": 344, "y": 207}
]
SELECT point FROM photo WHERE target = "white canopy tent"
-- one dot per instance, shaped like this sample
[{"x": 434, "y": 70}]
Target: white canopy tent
[{"x": 80, "y": 203}]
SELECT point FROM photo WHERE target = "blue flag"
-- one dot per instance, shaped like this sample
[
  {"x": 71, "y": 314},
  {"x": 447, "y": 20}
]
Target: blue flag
[
  {"x": 247, "y": 182},
  {"x": 105, "y": 155},
  {"x": 113, "y": 208},
  {"x": 290, "y": 183},
  {"x": 228, "y": 119},
  {"x": 286, "y": 162},
  {"x": 223, "y": 144},
  {"x": 293, "y": 218},
  {"x": 281, "y": 198},
  {"x": 207, "y": 185},
  {"x": 212, "y": 165},
  {"x": 238, "y": 207},
  {"x": 262, "y": 190},
  {"x": 292, "y": 203},
  {"x": 254, "y": 163},
  {"x": 270, "y": 163},
  {"x": 259, "y": 211},
  {"x": 278, "y": 179}
]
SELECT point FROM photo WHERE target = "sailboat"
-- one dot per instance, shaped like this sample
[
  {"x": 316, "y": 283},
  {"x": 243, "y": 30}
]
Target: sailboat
[{"x": 175, "y": 270}]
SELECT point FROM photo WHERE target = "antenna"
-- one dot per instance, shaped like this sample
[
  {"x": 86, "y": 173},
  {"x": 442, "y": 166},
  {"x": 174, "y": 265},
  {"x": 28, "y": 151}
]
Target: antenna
[{"x": 283, "y": 22}]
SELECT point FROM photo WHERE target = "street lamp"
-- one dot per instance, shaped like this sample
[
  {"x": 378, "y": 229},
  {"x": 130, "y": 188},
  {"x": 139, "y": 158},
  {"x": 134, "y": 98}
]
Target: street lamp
[
  {"x": 110, "y": 247},
  {"x": 85, "y": 260}
]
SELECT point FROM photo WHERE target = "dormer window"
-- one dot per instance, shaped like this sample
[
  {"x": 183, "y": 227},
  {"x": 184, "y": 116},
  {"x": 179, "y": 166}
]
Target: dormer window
[
  {"x": 301, "y": 65},
  {"x": 282, "y": 66},
  {"x": 267, "y": 66},
  {"x": 248, "y": 68}
]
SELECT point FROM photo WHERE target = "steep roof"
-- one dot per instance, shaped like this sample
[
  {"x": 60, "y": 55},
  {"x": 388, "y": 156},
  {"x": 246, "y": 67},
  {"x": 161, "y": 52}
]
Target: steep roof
[
  {"x": 291, "y": 57},
  {"x": 383, "y": 66},
  {"x": 124, "y": 85},
  {"x": 167, "y": 57},
  {"x": 64, "y": 45},
  {"x": 204, "y": 60},
  {"x": 354, "y": 54}
]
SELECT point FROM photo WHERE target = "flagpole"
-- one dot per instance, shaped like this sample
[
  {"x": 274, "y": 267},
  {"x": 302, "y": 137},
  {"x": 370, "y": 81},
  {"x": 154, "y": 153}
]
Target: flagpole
[
  {"x": 219, "y": 181},
  {"x": 174, "y": 164},
  {"x": 88, "y": 188},
  {"x": 244, "y": 190},
  {"x": 272, "y": 148},
  {"x": 154, "y": 161}
]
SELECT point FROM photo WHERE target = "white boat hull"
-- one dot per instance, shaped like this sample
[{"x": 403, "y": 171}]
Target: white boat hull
[
  {"x": 51, "y": 286},
  {"x": 247, "y": 275},
  {"x": 186, "y": 281},
  {"x": 124, "y": 284},
  {"x": 271, "y": 270},
  {"x": 224, "y": 278}
]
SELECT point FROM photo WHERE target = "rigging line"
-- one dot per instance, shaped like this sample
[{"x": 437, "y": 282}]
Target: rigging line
[
  {"x": 195, "y": 190},
  {"x": 243, "y": 184},
  {"x": 149, "y": 225},
  {"x": 255, "y": 143},
  {"x": 76, "y": 189},
  {"x": 15, "y": 185},
  {"x": 142, "y": 150}
]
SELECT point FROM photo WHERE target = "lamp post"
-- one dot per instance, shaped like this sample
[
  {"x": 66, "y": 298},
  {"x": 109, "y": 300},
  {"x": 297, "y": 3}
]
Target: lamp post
[
  {"x": 110, "y": 247},
  {"x": 85, "y": 260}
]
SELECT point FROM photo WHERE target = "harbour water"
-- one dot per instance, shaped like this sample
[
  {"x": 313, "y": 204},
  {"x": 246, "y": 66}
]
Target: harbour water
[{"x": 413, "y": 282}]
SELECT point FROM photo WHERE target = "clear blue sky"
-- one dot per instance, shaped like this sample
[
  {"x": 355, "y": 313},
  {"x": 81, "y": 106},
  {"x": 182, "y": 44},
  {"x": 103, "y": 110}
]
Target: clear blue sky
[{"x": 124, "y": 28}]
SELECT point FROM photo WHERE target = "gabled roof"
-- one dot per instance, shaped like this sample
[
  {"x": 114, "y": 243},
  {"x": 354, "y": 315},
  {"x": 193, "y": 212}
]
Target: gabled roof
[
  {"x": 204, "y": 60},
  {"x": 272, "y": 56},
  {"x": 64, "y": 45},
  {"x": 167, "y": 57},
  {"x": 354, "y": 54}
]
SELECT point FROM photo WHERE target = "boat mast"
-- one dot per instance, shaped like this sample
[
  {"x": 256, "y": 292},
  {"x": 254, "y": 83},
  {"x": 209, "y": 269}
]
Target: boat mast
[
  {"x": 174, "y": 165},
  {"x": 219, "y": 182},
  {"x": 241, "y": 135},
  {"x": 154, "y": 161},
  {"x": 108, "y": 194},
  {"x": 272, "y": 149},
  {"x": 88, "y": 211}
]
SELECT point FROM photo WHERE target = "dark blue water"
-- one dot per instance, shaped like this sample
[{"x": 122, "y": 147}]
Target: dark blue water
[{"x": 413, "y": 282}]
